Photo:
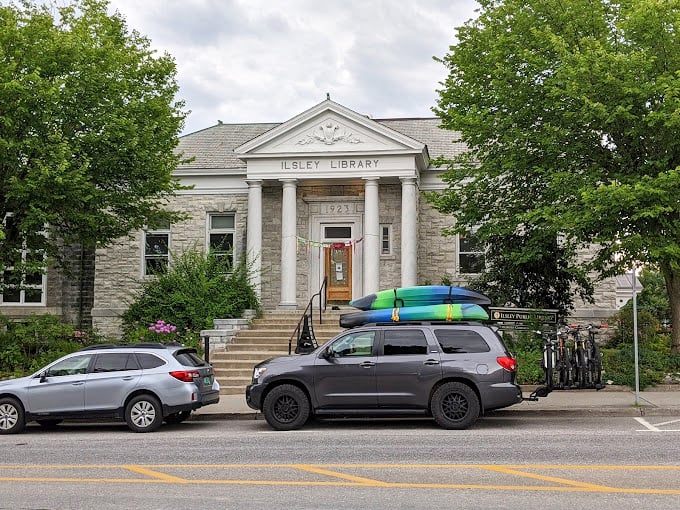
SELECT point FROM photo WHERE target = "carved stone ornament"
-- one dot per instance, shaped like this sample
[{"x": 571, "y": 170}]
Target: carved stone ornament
[{"x": 328, "y": 133}]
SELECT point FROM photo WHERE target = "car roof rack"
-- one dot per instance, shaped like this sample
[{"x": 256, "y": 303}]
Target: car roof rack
[
  {"x": 420, "y": 323},
  {"x": 140, "y": 345}
]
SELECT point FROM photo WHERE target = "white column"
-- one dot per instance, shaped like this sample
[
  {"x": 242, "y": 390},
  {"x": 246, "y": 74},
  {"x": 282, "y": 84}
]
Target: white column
[
  {"x": 409, "y": 232},
  {"x": 288, "y": 245},
  {"x": 254, "y": 235},
  {"x": 371, "y": 236}
]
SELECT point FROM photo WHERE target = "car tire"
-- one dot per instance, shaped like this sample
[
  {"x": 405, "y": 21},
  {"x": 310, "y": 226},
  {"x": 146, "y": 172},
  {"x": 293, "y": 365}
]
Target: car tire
[
  {"x": 144, "y": 413},
  {"x": 455, "y": 406},
  {"x": 48, "y": 424},
  {"x": 286, "y": 407},
  {"x": 12, "y": 418},
  {"x": 175, "y": 418}
]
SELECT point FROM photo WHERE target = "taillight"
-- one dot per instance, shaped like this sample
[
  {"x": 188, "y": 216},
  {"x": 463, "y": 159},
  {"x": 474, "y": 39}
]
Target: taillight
[
  {"x": 507, "y": 362},
  {"x": 185, "y": 375}
]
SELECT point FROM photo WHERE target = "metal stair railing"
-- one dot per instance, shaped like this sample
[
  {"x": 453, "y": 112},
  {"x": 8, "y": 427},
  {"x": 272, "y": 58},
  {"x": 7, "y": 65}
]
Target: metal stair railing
[{"x": 304, "y": 332}]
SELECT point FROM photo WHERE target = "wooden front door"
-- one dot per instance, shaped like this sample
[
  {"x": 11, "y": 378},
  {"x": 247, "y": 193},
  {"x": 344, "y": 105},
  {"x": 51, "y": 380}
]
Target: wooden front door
[{"x": 339, "y": 273}]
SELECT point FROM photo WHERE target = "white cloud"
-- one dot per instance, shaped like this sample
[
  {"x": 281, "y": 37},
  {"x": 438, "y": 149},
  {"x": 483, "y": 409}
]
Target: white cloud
[{"x": 267, "y": 60}]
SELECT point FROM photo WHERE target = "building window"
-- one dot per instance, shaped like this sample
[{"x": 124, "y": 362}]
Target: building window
[
  {"x": 470, "y": 254},
  {"x": 25, "y": 285},
  {"x": 156, "y": 250},
  {"x": 221, "y": 236},
  {"x": 385, "y": 239}
]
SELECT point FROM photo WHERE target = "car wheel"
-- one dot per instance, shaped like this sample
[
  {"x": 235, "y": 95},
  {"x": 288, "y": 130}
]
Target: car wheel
[
  {"x": 286, "y": 407},
  {"x": 144, "y": 413},
  {"x": 455, "y": 406},
  {"x": 48, "y": 424},
  {"x": 12, "y": 419},
  {"x": 175, "y": 418}
]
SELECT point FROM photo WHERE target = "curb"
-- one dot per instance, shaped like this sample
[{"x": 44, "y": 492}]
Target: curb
[{"x": 613, "y": 412}]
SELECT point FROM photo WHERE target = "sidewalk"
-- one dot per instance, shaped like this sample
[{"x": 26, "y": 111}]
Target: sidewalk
[{"x": 611, "y": 401}]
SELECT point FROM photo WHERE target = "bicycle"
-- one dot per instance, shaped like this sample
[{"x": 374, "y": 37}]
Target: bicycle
[
  {"x": 586, "y": 357},
  {"x": 579, "y": 357},
  {"x": 594, "y": 357},
  {"x": 547, "y": 364},
  {"x": 563, "y": 364}
]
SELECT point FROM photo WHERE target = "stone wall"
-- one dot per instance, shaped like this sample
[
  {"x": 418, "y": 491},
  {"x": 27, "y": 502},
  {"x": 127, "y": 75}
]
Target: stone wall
[{"x": 119, "y": 267}]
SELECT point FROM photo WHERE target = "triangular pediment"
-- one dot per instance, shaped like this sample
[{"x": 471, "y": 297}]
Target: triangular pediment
[{"x": 329, "y": 128}]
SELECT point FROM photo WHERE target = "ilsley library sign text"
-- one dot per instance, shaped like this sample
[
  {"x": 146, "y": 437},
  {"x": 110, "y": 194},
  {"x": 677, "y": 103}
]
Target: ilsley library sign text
[
  {"x": 523, "y": 315},
  {"x": 330, "y": 164}
]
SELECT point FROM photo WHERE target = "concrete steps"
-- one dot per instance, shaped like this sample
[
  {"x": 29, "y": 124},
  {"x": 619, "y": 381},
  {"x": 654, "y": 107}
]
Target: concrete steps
[{"x": 267, "y": 337}]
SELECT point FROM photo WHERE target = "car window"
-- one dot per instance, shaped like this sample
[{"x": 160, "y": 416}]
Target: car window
[
  {"x": 359, "y": 343},
  {"x": 114, "y": 362},
  {"x": 70, "y": 366},
  {"x": 456, "y": 341},
  {"x": 148, "y": 360},
  {"x": 404, "y": 341},
  {"x": 189, "y": 358}
]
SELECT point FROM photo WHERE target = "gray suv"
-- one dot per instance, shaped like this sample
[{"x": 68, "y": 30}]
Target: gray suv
[
  {"x": 451, "y": 371},
  {"x": 143, "y": 384}
]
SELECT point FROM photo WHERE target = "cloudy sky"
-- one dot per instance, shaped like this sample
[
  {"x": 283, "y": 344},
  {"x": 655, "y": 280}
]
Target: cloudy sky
[{"x": 268, "y": 60}]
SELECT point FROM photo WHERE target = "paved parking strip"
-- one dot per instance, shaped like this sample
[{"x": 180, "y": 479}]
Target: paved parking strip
[
  {"x": 486, "y": 477},
  {"x": 657, "y": 427}
]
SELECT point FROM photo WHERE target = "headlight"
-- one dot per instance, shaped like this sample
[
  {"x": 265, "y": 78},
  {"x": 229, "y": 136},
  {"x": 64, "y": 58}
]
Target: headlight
[{"x": 258, "y": 372}]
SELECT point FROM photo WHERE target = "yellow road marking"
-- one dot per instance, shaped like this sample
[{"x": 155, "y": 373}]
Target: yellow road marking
[
  {"x": 503, "y": 469},
  {"x": 155, "y": 474},
  {"x": 358, "y": 479},
  {"x": 347, "y": 480}
]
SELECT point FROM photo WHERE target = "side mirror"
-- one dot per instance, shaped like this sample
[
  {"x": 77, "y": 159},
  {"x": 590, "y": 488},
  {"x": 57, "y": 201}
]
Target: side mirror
[
  {"x": 43, "y": 376},
  {"x": 328, "y": 353}
]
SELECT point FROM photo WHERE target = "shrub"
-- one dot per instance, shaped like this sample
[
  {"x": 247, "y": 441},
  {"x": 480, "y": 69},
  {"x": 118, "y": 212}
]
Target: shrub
[
  {"x": 527, "y": 347},
  {"x": 197, "y": 288},
  {"x": 30, "y": 343},
  {"x": 619, "y": 366}
]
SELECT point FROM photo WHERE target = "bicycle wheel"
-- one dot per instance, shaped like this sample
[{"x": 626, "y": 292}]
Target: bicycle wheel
[
  {"x": 596, "y": 363},
  {"x": 580, "y": 368},
  {"x": 568, "y": 368},
  {"x": 564, "y": 370},
  {"x": 548, "y": 364}
]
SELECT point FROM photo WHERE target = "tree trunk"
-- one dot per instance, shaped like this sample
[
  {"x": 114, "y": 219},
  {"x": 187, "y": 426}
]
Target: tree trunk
[{"x": 672, "y": 278}]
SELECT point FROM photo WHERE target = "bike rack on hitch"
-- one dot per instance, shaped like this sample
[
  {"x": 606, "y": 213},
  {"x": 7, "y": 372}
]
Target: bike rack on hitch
[{"x": 541, "y": 391}]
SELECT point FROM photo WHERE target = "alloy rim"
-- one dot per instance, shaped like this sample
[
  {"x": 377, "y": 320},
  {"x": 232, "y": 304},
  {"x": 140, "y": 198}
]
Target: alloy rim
[
  {"x": 455, "y": 407},
  {"x": 9, "y": 416},
  {"x": 286, "y": 409},
  {"x": 143, "y": 414}
]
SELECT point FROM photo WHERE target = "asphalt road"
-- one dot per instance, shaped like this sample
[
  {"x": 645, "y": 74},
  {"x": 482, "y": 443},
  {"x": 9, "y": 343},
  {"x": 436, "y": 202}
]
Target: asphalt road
[{"x": 503, "y": 462}]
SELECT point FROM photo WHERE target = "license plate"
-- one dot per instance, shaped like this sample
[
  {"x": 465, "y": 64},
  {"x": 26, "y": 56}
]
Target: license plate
[{"x": 207, "y": 381}]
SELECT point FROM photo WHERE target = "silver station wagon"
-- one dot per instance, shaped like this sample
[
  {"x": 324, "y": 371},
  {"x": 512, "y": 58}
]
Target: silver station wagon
[{"x": 143, "y": 384}]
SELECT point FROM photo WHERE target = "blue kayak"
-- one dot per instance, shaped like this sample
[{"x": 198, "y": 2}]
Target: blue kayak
[
  {"x": 440, "y": 312},
  {"x": 421, "y": 295}
]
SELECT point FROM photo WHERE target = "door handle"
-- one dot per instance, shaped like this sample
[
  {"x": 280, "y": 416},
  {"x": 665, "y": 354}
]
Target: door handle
[
  {"x": 431, "y": 362},
  {"x": 127, "y": 378},
  {"x": 77, "y": 383},
  {"x": 367, "y": 364}
]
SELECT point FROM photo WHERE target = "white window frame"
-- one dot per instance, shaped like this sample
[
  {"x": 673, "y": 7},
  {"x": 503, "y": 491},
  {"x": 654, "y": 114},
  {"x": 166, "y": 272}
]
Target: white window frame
[
  {"x": 149, "y": 256},
  {"x": 385, "y": 238},
  {"x": 459, "y": 252},
  {"x": 42, "y": 287},
  {"x": 232, "y": 230}
]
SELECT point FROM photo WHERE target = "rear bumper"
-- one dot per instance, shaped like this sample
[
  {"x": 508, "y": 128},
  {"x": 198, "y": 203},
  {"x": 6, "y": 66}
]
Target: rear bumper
[
  {"x": 501, "y": 395},
  {"x": 209, "y": 397}
]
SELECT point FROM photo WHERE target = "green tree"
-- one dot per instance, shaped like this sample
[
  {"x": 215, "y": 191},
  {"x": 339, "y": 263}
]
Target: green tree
[
  {"x": 569, "y": 110},
  {"x": 530, "y": 270},
  {"x": 653, "y": 297},
  {"x": 88, "y": 124}
]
